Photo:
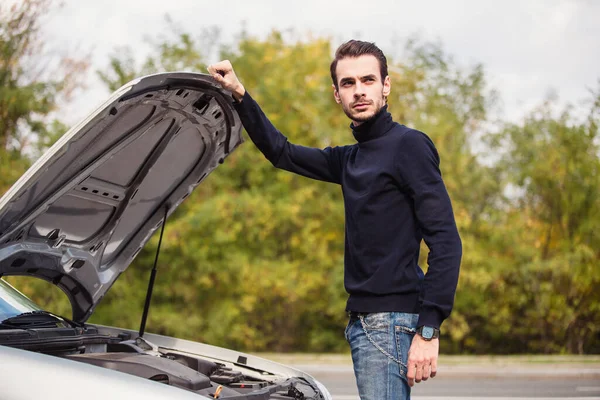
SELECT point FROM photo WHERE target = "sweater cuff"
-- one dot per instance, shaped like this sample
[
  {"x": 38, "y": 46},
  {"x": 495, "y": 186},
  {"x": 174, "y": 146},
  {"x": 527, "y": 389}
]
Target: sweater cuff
[
  {"x": 429, "y": 316},
  {"x": 246, "y": 98},
  {"x": 243, "y": 106}
]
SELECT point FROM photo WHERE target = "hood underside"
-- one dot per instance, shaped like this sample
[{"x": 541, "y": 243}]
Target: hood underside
[{"x": 84, "y": 210}]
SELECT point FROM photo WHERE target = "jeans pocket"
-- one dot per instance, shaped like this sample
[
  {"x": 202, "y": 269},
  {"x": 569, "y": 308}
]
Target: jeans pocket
[
  {"x": 347, "y": 330},
  {"x": 404, "y": 336},
  {"x": 377, "y": 321}
]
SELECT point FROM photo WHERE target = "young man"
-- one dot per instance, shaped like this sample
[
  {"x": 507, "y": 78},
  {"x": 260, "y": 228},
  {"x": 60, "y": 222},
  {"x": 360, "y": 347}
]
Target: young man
[{"x": 394, "y": 197}]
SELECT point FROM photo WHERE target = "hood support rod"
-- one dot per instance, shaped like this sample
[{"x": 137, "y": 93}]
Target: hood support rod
[{"x": 153, "y": 276}]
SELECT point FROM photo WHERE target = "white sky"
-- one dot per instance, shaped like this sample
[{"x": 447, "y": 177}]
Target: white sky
[{"x": 528, "y": 47}]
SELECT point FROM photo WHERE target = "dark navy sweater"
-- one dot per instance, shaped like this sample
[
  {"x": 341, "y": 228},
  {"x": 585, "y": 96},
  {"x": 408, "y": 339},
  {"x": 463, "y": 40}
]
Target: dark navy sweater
[{"x": 394, "y": 197}]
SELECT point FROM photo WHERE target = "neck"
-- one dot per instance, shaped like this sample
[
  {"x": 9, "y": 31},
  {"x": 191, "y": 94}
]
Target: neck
[{"x": 374, "y": 127}]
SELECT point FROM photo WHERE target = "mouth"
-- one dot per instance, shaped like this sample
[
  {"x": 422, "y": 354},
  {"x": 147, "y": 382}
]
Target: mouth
[{"x": 361, "y": 106}]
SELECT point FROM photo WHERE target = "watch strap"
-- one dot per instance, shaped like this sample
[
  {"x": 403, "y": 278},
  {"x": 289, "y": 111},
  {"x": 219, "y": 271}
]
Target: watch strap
[{"x": 428, "y": 332}]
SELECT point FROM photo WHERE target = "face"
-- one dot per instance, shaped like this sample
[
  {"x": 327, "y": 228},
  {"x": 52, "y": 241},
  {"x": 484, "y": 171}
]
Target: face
[{"x": 360, "y": 89}]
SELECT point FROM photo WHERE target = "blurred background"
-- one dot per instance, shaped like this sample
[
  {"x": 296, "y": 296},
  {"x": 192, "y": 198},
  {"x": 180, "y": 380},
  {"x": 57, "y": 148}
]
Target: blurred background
[{"x": 253, "y": 260}]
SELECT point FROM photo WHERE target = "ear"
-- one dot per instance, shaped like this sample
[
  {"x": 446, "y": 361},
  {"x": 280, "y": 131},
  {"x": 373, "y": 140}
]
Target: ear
[
  {"x": 387, "y": 86},
  {"x": 336, "y": 95}
]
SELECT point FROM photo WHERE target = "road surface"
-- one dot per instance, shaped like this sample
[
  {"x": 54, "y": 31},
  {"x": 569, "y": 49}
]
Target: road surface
[{"x": 479, "y": 382}]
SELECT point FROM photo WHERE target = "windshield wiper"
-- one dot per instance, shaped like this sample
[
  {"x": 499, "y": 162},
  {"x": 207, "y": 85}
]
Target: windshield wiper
[{"x": 38, "y": 318}]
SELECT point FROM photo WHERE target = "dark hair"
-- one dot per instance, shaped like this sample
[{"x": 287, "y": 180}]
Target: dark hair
[{"x": 357, "y": 48}]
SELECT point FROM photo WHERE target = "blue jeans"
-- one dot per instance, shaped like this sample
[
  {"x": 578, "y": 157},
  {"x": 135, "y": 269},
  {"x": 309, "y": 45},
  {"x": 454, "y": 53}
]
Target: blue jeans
[{"x": 378, "y": 376}]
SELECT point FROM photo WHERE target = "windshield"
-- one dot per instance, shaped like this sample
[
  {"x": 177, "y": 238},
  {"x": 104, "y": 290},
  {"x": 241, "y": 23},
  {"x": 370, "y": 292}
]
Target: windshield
[{"x": 13, "y": 302}]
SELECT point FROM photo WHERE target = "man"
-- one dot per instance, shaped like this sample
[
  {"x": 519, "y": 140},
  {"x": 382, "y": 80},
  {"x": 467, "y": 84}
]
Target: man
[{"x": 394, "y": 197}]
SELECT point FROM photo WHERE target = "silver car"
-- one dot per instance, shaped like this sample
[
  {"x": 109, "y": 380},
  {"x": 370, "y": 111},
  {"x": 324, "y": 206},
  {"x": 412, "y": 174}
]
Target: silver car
[{"x": 79, "y": 216}]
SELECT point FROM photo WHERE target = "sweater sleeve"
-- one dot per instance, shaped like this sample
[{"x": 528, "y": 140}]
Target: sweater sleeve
[
  {"x": 322, "y": 164},
  {"x": 418, "y": 164}
]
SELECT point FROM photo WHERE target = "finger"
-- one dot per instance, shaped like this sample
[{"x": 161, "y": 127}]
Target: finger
[
  {"x": 419, "y": 373},
  {"x": 410, "y": 374},
  {"x": 216, "y": 76},
  {"x": 426, "y": 370},
  {"x": 434, "y": 367},
  {"x": 211, "y": 69},
  {"x": 222, "y": 67},
  {"x": 219, "y": 78},
  {"x": 217, "y": 70}
]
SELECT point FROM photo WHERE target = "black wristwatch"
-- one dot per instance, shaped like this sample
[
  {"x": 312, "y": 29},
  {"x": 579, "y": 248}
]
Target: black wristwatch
[{"x": 428, "y": 332}]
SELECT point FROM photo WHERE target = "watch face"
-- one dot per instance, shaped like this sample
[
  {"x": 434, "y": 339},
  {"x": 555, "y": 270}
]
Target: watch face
[{"x": 427, "y": 332}]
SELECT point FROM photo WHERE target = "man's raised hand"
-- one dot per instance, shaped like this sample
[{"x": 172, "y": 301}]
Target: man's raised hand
[{"x": 224, "y": 74}]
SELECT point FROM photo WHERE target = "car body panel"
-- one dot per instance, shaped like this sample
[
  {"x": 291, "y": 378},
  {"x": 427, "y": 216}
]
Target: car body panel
[
  {"x": 82, "y": 212},
  {"x": 28, "y": 375}
]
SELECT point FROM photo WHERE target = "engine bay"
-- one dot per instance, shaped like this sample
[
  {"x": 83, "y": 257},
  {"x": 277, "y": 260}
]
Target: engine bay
[{"x": 210, "y": 378}]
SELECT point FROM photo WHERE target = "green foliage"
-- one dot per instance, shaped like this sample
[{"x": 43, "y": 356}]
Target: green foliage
[
  {"x": 253, "y": 245},
  {"x": 554, "y": 162},
  {"x": 254, "y": 258},
  {"x": 32, "y": 85},
  {"x": 29, "y": 90}
]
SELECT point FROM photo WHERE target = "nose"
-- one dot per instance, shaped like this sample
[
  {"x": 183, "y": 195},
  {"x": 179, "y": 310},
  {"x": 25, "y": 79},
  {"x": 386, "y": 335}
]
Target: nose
[{"x": 359, "y": 90}]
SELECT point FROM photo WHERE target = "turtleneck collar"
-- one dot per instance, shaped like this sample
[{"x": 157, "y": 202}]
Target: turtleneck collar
[{"x": 375, "y": 127}]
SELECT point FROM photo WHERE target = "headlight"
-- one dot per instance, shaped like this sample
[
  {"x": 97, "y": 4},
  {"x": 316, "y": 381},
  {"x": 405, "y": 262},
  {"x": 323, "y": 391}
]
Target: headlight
[{"x": 324, "y": 391}]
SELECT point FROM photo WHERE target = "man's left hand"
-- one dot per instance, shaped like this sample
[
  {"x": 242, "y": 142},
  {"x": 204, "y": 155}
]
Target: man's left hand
[{"x": 422, "y": 359}]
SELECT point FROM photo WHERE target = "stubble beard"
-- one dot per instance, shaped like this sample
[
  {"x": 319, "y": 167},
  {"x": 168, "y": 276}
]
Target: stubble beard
[{"x": 363, "y": 117}]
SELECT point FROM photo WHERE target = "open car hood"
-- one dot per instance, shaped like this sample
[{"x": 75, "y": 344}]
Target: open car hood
[{"x": 83, "y": 211}]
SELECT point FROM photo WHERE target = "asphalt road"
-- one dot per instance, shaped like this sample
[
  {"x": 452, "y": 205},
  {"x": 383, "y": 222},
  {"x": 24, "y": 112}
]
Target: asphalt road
[{"x": 477, "y": 383}]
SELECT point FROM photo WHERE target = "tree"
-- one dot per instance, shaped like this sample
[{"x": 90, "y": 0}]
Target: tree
[
  {"x": 554, "y": 165},
  {"x": 253, "y": 259},
  {"x": 248, "y": 252},
  {"x": 261, "y": 250},
  {"x": 32, "y": 85}
]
